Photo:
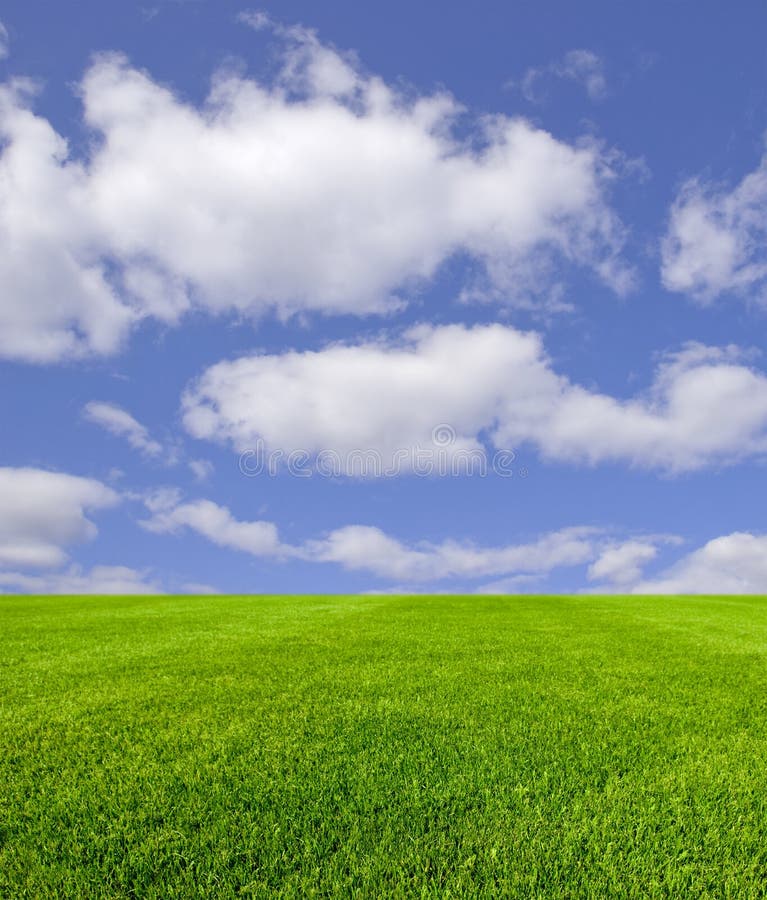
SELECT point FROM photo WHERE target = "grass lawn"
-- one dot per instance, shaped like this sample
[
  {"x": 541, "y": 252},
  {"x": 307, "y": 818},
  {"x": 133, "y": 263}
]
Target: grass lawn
[{"x": 383, "y": 746}]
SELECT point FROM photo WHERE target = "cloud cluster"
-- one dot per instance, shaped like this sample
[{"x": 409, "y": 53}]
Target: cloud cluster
[
  {"x": 704, "y": 406},
  {"x": 735, "y": 563},
  {"x": 325, "y": 190},
  {"x": 366, "y": 548},
  {"x": 717, "y": 240},
  {"x": 42, "y": 513}
]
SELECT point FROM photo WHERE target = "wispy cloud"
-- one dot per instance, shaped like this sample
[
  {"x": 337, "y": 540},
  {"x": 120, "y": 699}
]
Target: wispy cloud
[
  {"x": 580, "y": 66},
  {"x": 121, "y": 423},
  {"x": 4, "y": 42},
  {"x": 76, "y": 580}
]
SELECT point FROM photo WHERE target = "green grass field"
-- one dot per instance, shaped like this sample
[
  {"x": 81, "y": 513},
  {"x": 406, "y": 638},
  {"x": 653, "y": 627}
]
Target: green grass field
[{"x": 383, "y": 746}]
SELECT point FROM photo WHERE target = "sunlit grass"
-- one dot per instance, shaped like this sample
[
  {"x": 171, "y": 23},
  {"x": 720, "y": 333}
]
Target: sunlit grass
[{"x": 383, "y": 746}]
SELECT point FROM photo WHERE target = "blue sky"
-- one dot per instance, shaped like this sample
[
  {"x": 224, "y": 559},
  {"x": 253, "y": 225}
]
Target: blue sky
[{"x": 330, "y": 229}]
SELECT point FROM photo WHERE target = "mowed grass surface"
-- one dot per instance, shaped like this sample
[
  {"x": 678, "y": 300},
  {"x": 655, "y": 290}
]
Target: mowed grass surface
[{"x": 383, "y": 746}]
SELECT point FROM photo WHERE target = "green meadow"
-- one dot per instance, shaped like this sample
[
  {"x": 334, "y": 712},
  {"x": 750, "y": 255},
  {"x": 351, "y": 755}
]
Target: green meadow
[{"x": 383, "y": 747}]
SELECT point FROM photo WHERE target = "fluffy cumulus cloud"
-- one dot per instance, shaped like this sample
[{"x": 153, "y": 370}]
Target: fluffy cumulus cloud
[
  {"x": 623, "y": 563},
  {"x": 733, "y": 564},
  {"x": 325, "y": 189},
  {"x": 55, "y": 297},
  {"x": 717, "y": 240},
  {"x": 98, "y": 580},
  {"x": 121, "y": 423},
  {"x": 213, "y": 522},
  {"x": 704, "y": 406},
  {"x": 42, "y": 513}
]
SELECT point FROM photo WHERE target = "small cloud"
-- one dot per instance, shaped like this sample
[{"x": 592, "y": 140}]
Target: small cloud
[
  {"x": 584, "y": 67},
  {"x": 256, "y": 19},
  {"x": 161, "y": 499},
  {"x": 4, "y": 41},
  {"x": 121, "y": 423},
  {"x": 194, "y": 587},
  {"x": 202, "y": 469},
  {"x": 715, "y": 242},
  {"x": 622, "y": 564},
  {"x": 514, "y": 585},
  {"x": 581, "y": 66}
]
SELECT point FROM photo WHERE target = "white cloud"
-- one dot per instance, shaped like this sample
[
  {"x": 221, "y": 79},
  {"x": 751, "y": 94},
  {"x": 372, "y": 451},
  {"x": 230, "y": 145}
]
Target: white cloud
[
  {"x": 42, "y": 513},
  {"x": 736, "y": 563},
  {"x": 622, "y": 563},
  {"x": 3, "y": 41},
  {"x": 515, "y": 584},
  {"x": 215, "y": 523},
  {"x": 705, "y": 406},
  {"x": 55, "y": 298},
  {"x": 326, "y": 190},
  {"x": 202, "y": 469},
  {"x": 717, "y": 240},
  {"x": 581, "y": 66},
  {"x": 121, "y": 423},
  {"x": 98, "y": 580},
  {"x": 733, "y": 564},
  {"x": 194, "y": 587},
  {"x": 257, "y": 19},
  {"x": 364, "y": 548}
]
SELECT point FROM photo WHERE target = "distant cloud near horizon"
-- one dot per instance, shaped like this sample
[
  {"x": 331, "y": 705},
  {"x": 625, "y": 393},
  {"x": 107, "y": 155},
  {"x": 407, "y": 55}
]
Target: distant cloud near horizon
[
  {"x": 75, "y": 580},
  {"x": 43, "y": 513}
]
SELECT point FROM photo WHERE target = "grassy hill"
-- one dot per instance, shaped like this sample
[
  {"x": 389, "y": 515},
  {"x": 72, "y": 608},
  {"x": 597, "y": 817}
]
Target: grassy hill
[{"x": 383, "y": 746}]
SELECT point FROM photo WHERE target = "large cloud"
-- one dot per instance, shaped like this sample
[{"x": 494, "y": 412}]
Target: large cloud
[
  {"x": 42, "y": 513},
  {"x": 732, "y": 564},
  {"x": 55, "y": 298},
  {"x": 704, "y": 405},
  {"x": 717, "y": 240},
  {"x": 325, "y": 190}
]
